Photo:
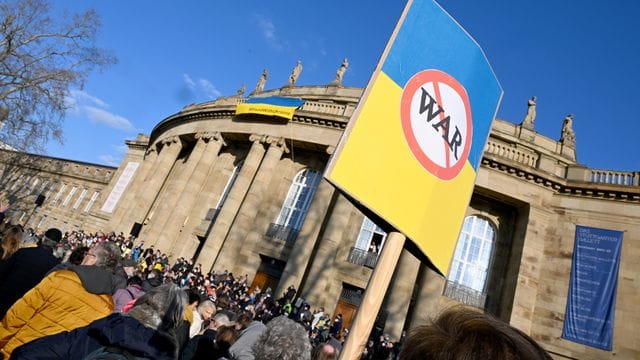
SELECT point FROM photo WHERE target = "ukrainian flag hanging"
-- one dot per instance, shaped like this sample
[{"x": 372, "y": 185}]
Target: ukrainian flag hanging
[
  {"x": 283, "y": 107},
  {"x": 411, "y": 151}
]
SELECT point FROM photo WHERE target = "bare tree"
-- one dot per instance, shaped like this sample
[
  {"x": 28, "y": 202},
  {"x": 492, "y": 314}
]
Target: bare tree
[{"x": 41, "y": 58}]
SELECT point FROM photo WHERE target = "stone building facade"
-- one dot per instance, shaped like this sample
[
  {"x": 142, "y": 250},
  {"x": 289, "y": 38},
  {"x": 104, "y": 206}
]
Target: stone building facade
[{"x": 245, "y": 194}]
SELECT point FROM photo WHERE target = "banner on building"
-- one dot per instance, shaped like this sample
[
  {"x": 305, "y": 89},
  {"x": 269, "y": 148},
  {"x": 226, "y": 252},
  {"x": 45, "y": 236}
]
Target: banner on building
[
  {"x": 283, "y": 107},
  {"x": 412, "y": 149},
  {"x": 592, "y": 287},
  {"x": 120, "y": 186}
]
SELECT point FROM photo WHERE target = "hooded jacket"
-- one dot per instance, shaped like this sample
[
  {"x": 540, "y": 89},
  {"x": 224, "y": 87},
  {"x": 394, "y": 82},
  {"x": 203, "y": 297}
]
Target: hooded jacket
[
  {"x": 64, "y": 300},
  {"x": 117, "y": 331}
]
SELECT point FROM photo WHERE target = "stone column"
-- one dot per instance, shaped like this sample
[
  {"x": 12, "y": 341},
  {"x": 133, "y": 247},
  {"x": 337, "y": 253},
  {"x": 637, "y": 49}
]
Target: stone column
[
  {"x": 209, "y": 194},
  {"x": 237, "y": 237},
  {"x": 307, "y": 237},
  {"x": 219, "y": 231},
  {"x": 155, "y": 179},
  {"x": 314, "y": 290},
  {"x": 398, "y": 297},
  {"x": 427, "y": 305},
  {"x": 190, "y": 189},
  {"x": 127, "y": 203},
  {"x": 524, "y": 299},
  {"x": 166, "y": 207}
]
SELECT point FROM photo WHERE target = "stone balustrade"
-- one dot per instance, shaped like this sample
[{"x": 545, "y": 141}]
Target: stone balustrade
[
  {"x": 612, "y": 177},
  {"x": 512, "y": 152},
  {"x": 324, "y": 108}
]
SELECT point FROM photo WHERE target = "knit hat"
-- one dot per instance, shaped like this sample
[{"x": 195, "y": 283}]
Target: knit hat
[{"x": 53, "y": 234}]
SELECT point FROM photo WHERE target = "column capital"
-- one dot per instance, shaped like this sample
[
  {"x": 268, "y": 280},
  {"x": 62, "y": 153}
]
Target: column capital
[
  {"x": 170, "y": 140},
  {"x": 258, "y": 138},
  {"x": 150, "y": 150},
  {"x": 279, "y": 142},
  {"x": 208, "y": 136}
]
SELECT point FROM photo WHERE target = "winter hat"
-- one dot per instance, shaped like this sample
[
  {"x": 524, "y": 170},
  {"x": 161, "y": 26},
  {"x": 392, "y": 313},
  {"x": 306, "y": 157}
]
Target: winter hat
[{"x": 53, "y": 234}]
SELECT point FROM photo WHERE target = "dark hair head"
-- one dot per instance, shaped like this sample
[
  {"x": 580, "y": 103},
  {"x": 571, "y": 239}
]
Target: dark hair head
[
  {"x": 134, "y": 280},
  {"x": 244, "y": 319},
  {"x": 462, "y": 333},
  {"x": 193, "y": 296},
  {"x": 225, "y": 337},
  {"x": 78, "y": 254}
]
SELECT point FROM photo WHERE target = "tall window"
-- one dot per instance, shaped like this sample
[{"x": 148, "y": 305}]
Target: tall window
[
  {"x": 43, "y": 186},
  {"x": 69, "y": 196},
  {"x": 229, "y": 185},
  {"x": 91, "y": 201},
  {"x": 80, "y": 198},
  {"x": 298, "y": 199},
  {"x": 371, "y": 237},
  {"x": 33, "y": 185},
  {"x": 55, "y": 200},
  {"x": 472, "y": 257}
]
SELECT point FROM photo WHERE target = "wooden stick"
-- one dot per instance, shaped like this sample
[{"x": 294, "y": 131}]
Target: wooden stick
[{"x": 373, "y": 296}]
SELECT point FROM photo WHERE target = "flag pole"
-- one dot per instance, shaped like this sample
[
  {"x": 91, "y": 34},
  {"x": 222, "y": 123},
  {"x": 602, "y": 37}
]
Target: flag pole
[{"x": 373, "y": 296}]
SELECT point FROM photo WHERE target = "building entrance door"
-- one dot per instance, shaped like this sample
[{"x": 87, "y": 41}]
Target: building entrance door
[
  {"x": 348, "y": 312},
  {"x": 350, "y": 299},
  {"x": 268, "y": 274},
  {"x": 264, "y": 281}
]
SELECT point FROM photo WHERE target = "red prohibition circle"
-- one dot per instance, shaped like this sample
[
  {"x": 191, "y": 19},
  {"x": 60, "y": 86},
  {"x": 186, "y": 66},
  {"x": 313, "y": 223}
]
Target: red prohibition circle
[{"x": 413, "y": 85}]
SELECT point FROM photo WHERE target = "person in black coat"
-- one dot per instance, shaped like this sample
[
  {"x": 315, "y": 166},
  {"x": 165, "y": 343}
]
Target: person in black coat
[
  {"x": 26, "y": 268},
  {"x": 143, "y": 333}
]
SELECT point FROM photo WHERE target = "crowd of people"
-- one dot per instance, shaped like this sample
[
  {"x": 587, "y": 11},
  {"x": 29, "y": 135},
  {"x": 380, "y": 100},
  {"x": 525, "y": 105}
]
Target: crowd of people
[{"x": 102, "y": 295}]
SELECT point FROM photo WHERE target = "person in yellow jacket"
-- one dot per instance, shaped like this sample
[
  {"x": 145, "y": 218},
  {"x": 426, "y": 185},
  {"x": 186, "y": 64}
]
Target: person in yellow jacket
[{"x": 64, "y": 300}]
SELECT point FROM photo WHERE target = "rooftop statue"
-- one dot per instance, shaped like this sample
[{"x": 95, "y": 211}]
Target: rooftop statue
[
  {"x": 568, "y": 136},
  {"x": 295, "y": 74},
  {"x": 240, "y": 92},
  {"x": 261, "y": 82},
  {"x": 530, "y": 118},
  {"x": 340, "y": 73}
]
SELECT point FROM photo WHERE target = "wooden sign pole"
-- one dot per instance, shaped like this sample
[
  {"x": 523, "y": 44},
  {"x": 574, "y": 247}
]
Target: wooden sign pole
[{"x": 373, "y": 296}]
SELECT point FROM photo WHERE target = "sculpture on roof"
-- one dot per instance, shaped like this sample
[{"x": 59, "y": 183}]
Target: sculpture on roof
[
  {"x": 340, "y": 73},
  {"x": 568, "y": 136},
  {"x": 261, "y": 82},
  {"x": 530, "y": 118},
  {"x": 295, "y": 74},
  {"x": 240, "y": 92}
]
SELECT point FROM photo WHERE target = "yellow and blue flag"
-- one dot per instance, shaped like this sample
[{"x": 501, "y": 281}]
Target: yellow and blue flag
[
  {"x": 412, "y": 149},
  {"x": 279, "y": 106}
]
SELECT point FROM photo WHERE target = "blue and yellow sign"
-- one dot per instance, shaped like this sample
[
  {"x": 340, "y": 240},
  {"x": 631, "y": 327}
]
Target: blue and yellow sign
[
  {"x": 412, "y": 149},
  {"x": 270, "y": 106}
]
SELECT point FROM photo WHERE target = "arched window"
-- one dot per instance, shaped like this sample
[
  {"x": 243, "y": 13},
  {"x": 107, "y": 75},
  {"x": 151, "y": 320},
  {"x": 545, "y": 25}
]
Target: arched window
[
  {"x": 298, "y": 199},
  {"x": 472, "y": 257}
]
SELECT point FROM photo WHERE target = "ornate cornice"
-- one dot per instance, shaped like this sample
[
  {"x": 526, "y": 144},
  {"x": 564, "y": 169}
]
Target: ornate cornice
[
  {"x": 562, "y": 186},
  {"x": 331, "y": 121}
]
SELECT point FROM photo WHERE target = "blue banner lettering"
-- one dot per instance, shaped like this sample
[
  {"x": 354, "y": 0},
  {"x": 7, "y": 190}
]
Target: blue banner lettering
[{"x": 592, "y": 287}]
